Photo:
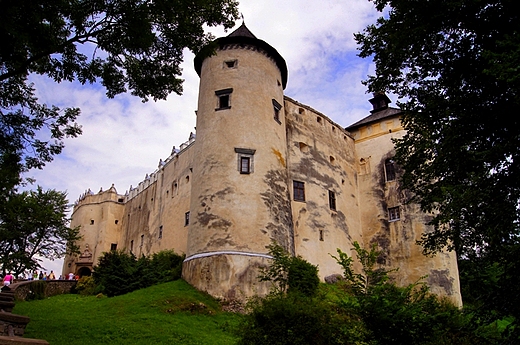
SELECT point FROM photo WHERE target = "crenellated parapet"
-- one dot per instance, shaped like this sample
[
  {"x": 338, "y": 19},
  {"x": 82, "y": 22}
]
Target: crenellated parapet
[
  {"x": 89, "y": 197},
  {"x": 151, "y": 178}
]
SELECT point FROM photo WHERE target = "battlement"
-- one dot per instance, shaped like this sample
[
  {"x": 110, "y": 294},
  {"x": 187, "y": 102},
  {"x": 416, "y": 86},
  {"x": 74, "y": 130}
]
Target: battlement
[{"x": 89, "y": 197}]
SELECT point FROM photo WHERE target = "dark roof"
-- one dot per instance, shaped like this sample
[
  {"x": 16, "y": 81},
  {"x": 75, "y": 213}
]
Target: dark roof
[
  {"x": 375, "y": 116},
  {"x": 242, "y": 36},
  {"x": 242, "y": 31}
]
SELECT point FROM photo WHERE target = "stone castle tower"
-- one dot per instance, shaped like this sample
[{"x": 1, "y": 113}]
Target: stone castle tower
[
  {"x": 242, "y": 202},
  {"x": 265, "y": 168}
]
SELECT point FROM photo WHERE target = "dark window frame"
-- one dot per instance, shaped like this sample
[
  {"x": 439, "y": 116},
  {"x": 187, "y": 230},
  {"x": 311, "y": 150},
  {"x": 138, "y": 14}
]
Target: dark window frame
[
  {"x": 242, "y": 156},
  {"x": 187, "y": 218},
  {"x": 390, "y": 170},
  {"x": 277, "y": 107},
  {"x": 298, "y": 190},
  {"x": 223, "y": 99},
  {"x": 394, "y": 214},
  {"x": 245, "y": 164},
  {"x": 332, "y": 200}
]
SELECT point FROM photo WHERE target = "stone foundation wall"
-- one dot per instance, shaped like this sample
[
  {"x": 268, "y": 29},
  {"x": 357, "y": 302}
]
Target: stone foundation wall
[{"x": 52, "y": 287}]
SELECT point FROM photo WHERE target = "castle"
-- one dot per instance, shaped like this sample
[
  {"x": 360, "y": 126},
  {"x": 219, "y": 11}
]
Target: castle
[{"x": 261, "y": 168}]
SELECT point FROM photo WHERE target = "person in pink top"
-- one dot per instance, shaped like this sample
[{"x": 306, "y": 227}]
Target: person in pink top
[{"x": 8, "y": 279}]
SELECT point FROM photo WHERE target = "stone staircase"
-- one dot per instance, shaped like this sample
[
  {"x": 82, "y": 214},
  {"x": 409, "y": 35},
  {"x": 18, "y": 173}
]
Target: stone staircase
[{"x": 12, "y": 326}]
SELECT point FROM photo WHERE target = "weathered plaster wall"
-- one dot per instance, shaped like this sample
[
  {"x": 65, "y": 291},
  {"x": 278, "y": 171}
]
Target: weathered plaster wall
[
  {"x": 97, "y": 215},
  {"x": 321, "y": 154},
  {"x": 161, "y": 206},
  {"x": 397, "y": 239}
]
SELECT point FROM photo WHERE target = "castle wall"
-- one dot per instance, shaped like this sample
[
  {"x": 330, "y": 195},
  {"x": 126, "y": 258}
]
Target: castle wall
[
  {"x": 322, "y": 156},
  {"x": 154, "y": 219},
  {"x": 397, "y": 238},
  {"x": 265, "y": 168},
  {"x": 99, "y": 217}
]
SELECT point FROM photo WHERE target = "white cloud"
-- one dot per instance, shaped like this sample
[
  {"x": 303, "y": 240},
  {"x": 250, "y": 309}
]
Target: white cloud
[{"x": 123, "y": 138}]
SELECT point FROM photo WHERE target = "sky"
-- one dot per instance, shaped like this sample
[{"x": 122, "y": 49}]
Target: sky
[{"x": 124, "y": 138}]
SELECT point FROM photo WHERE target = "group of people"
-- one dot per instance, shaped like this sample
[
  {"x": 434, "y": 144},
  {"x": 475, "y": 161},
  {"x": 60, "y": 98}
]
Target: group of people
[
  {"x": 42, "y": 276},
  {"x": 8, "y": 279}
]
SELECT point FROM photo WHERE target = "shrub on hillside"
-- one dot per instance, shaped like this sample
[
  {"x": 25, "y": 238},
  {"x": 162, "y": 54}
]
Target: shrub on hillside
[
  {"x": 118, "y": 272},
  {"x": 289, "y": 273},
  {"x": 364, "y": 308},
  {"x": 86, "y": 286},
  {"x": 295, "y": 319}
]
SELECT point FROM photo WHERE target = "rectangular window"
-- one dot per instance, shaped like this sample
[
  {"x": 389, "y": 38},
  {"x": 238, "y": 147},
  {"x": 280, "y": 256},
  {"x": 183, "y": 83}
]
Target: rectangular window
[
  {"x": 276, "y": 108},
  {"x": 187, "y": 218},
  {"x": 160, "y": 232},
  {"x": 393, "y": 213},
  {"x": 244, "y": 165},
  {"x": 113, "y": 246},
  {"x": 245, "y": 160},
  {"x": 299, "y": 191},
  {"x": 223, "y": 99},
  {"x": 332, "y": 200},
  {"x": 390, "y": 169},
  {"x": 142, "y": 240}
]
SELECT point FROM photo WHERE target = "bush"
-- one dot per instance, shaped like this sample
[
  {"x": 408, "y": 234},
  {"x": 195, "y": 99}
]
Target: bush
[
  {"x": 86, "y": 286},
  {"x": 296, "y": 319},
  {"x": 289, "y": 273},
  {"x": 118, "y": 272}
]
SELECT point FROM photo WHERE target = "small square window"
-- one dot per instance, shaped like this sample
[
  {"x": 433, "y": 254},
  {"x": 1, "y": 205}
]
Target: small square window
[
  {"x": 187, "y": 218},
  {"x": 394, "y": 214},
  {"x": 299, "y": 191},
  {"x": 113, "y": 246},
  {"x": 92, "y": 222},
  {"x": 223, "y": 99},
  {"x": 332, "y": 200}
]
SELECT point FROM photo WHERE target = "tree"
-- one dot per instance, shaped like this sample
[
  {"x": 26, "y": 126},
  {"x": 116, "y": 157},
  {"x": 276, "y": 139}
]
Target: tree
[
  {"x": 34, "y": 223},
  {"x": 125, "y": 45},
  {"x": 455, "y": 65}
]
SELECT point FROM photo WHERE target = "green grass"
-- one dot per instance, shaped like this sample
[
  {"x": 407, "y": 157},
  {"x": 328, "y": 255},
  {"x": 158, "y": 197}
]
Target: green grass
[{"x": 170, "y": 313}]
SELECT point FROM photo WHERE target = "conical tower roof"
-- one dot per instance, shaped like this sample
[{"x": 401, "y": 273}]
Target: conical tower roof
[
  {"x": 242, "y": 36},
  {"x": 242, "y": 31}
]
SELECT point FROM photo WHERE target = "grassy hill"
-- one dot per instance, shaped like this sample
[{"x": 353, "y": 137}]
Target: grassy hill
[{"x": 169, "y": 313}]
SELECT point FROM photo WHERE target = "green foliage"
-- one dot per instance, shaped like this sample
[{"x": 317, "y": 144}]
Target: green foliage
[
  {"x": 166, "y": 265},
  {"x": 124, "y": 45},
  {"x": 365, "y": 309},
  {"x": 118, "y": 272},
  {"x": 296, "y": 319},
  {"x": 34, "y": 223},
  {"x": 160, "y": 314},
  {"x": 86, "y": 286},
  {"x": 36, "y": 290},
  {"x": 290, "y": 274},
  {"x": 456, "y": 65},
  {"x": 362, "y": 283}
]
